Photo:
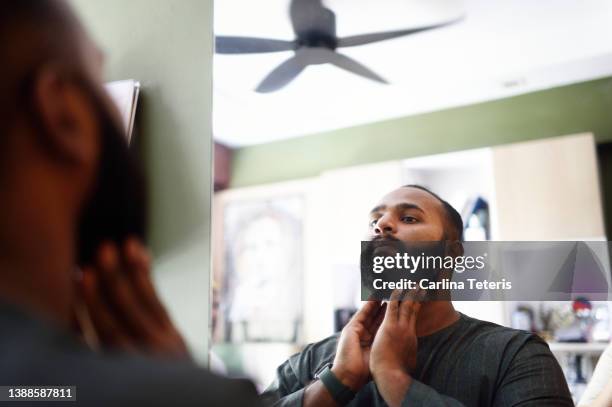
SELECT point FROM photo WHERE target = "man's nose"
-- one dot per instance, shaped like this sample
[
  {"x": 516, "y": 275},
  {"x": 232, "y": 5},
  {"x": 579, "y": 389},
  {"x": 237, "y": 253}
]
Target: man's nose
[{"x": 384, "y": 226}]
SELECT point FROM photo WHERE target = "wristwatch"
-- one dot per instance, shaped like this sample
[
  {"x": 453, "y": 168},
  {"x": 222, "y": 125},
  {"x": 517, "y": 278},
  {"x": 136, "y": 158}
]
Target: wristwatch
[{"x": 341, "y": 393}]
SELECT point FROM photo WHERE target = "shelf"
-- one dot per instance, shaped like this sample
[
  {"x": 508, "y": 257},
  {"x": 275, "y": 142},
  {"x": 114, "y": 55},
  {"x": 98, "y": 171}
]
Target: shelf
[{"x": 571, "y": 347}]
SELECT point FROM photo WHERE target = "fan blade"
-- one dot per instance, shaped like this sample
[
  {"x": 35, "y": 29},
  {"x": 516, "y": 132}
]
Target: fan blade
[
  {"x": 283, "y": 74},
  {"x": 311, "y": 17},
  {"x": 250, "y": 45},
  {"x": 363, "y": 39},
  {"x": 349, "y": 64}
]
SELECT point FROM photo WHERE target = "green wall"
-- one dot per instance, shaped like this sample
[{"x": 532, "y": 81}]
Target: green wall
[
  {"x": 565, "y": 110},
  {"x": 167, "y": 46}
]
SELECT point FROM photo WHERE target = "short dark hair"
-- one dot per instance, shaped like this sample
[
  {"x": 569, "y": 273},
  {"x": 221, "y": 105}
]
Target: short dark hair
[{"x": 453, "y": 218}]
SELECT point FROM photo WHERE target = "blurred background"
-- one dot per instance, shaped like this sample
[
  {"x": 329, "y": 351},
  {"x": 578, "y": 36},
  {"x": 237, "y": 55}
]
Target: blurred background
[{"x": 502, "y": 107}]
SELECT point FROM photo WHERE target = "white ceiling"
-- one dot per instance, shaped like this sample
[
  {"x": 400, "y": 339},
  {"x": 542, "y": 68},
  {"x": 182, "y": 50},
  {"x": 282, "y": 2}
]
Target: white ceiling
[{"x": 500, "y": 48}]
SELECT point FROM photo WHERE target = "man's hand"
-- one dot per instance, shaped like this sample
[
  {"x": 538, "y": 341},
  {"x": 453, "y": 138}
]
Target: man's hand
[
  {"x": 394, "y": 351},
  {"x": 123, "y": 305},
  {"x": 352, "y": 362}
]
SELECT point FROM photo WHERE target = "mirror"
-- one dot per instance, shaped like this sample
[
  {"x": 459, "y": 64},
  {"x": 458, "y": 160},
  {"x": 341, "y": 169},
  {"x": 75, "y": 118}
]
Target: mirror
[{"x": 320, "y": 109}]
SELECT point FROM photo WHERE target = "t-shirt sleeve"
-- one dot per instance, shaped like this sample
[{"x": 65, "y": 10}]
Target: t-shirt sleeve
[
  {"x": 286, "y": 390},
  {"x": 421, "y": 395},
  {"x": 297, "y": 372},
  {"x": 533, "y": 379}
]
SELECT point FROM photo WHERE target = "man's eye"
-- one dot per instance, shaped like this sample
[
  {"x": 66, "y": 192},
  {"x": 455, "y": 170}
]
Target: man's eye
[
  {"x": 409, "y": 219},
  {"x": 373, "y": 222}
]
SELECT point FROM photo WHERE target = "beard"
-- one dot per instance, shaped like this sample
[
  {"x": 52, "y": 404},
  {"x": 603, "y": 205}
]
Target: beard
[
  {"x": 116, "y": 207},
  {"x": 388, "y": 246}
]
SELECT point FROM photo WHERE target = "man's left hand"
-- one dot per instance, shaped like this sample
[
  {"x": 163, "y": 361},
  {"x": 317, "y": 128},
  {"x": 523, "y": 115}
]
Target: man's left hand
[
  {"x": 123, "y": 305},
  {"x": 394, "y": 351}
]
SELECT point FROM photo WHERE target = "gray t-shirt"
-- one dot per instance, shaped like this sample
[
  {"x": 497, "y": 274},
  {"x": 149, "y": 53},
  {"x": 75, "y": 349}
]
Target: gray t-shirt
[
  {"x": 469, "y": 363},
  {"x": 33, "y": 352}
]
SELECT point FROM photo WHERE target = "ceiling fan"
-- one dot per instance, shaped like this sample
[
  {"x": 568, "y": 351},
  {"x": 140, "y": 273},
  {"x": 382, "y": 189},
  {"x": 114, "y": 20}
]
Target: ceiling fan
[{"x": 316, "y": 43}]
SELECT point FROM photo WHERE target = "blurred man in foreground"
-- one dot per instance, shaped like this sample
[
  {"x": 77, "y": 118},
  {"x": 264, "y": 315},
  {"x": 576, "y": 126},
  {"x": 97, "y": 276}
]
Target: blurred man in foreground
[
  {"x": 413, "y": 353},
  {"x": 72, "y": 195}
]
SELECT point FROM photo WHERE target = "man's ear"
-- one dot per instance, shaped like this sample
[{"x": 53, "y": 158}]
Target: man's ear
[{"x": 69, "y": 127}]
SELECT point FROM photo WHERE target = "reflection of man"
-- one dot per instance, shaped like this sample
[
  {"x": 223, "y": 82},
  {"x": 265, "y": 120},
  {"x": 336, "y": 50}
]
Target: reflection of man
[
  {"x": 407, "y": 353},
  {"x": 68, "y": 185}
]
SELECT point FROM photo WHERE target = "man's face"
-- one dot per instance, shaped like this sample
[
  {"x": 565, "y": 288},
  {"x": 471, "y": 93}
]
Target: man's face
[{"x": 408, "y": 214}]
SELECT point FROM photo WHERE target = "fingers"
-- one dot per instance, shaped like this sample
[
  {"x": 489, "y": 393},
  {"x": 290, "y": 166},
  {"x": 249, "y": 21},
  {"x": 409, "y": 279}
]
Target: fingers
[
  {"x": 403, "y": 306},
  {"x": 138, "y": 266},
  {"x": 408, "y": 313},
  {"x": 409, "y": 309},
  {"x": 123, "y": 304},
  {"x": 137, "y": 255},
  {"x": 393, "y": 307},
  {"x": 107, "y": 326},
  {"x": 120, "y": 295},
  {"x": 81, "y": 318},
  {"x": 374, "y": 313},
  {"x": 165, "y": 338},
  {"x": 366, "y": 313},
  {"x": 373, "y": 328}
]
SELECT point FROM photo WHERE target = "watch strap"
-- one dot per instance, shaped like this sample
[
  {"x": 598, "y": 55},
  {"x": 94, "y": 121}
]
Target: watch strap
[{"x": 341, "y": 393}]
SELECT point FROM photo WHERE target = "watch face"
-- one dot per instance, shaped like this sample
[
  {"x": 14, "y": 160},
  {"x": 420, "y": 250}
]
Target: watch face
[{"x": 318, "y": 372}]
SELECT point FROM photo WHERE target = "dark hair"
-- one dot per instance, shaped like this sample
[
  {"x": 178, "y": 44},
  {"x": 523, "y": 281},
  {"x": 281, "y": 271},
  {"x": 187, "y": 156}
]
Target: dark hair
[{"x": 454, "y": 221}]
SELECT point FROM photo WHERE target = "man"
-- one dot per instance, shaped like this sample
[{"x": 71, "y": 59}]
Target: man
[
  {"x": 411, "y": 353},
  {"x": 71, "y": 195}
]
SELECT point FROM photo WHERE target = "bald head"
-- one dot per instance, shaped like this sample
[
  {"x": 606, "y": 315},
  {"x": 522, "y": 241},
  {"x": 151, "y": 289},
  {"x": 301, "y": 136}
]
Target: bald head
[
  {"x": 33, "y": 33},
  {"x": 414, "y": 213},
  {"x": 454, "y": 223}
]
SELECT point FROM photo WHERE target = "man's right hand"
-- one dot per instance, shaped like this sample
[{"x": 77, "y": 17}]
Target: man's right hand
[{"x": 351, "y": 364}]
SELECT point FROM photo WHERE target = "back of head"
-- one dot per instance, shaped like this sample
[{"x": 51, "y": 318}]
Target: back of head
[{"x": 32, "y": 32}]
